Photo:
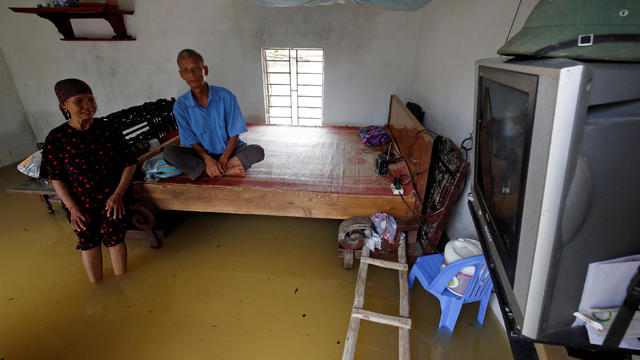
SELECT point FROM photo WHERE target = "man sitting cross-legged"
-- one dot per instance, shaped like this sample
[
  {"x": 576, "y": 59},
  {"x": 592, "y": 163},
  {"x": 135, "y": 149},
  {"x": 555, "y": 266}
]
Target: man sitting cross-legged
[{"x": 210, "y": 122}]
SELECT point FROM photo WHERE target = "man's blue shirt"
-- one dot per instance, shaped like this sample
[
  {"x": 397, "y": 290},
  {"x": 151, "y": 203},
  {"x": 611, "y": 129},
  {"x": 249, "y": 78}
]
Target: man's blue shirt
[{"x": 211, "y": 127}]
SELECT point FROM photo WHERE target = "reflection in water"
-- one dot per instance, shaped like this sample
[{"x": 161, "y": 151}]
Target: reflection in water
[{"x": 222, "y": 286}]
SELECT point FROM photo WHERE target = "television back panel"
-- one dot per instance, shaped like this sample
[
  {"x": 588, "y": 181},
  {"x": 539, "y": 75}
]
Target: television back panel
[{"x": 599, "y": 220}]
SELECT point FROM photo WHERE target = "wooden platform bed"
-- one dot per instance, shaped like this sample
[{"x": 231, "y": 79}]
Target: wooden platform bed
[{"x": 317, "y": 172}]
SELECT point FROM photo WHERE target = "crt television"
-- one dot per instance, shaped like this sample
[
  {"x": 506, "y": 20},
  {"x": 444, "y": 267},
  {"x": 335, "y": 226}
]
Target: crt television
[{"x": 556, "y": 182}]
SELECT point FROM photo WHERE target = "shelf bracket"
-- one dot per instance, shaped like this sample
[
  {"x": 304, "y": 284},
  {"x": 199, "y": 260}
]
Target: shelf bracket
[
  {"x": 62, "y": 23},
  {"x": 61, "y": 18}
]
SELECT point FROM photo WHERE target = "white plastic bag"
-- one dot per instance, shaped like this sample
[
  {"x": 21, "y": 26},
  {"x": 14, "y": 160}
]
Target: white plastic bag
[{"x": 31, "y": 165}]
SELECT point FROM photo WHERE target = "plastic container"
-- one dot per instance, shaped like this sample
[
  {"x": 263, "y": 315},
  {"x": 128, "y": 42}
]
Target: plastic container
[{"x": 456, "y": 250}]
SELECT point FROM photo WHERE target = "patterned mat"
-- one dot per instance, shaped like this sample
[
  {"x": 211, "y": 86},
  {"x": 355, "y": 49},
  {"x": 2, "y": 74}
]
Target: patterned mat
[{"x": 321, "y": 159}]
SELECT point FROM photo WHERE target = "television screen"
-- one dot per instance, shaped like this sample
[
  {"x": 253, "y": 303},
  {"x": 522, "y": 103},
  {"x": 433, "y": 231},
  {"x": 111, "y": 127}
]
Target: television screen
[
  {"x": 504, "y": 133},
  {"x": 555, "y": 186}
]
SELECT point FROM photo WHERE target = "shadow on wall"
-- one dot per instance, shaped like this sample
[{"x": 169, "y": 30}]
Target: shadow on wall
[
  {"x": 16, "y": 143},
  {"x": 44, "y": 121}
]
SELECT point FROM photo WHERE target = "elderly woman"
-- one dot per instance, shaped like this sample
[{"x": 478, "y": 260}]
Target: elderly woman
[{"x": 91, "y": 168}]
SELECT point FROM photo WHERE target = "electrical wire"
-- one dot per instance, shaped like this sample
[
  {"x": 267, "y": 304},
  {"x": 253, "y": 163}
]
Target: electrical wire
[
  {"x": 412, "y": 180},
  {"x": 420, "y": 224},
  {"x": 415, "y": 213},
  {"x": 400, "y": 177},
  {"x": 393, "y": 179},
  {"x": 466, "y": 148},
  {"x": 416, "y": 216},
  {"x": 513, "y": 21}
]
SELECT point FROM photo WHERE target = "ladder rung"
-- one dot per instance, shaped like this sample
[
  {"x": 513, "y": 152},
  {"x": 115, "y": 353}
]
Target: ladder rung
[
  {"x": 397, "y": 321},
  {"x": 385, "y": 264}
]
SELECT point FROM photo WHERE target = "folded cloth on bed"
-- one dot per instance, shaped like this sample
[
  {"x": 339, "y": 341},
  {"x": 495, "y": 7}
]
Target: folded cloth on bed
[
  {"x": 157, "y": 168},
  {"x": 373, "y": 135}
]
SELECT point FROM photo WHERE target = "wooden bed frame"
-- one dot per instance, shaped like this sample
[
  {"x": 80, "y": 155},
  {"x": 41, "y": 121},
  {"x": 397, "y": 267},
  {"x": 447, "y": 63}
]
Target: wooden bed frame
[
  {"x": 410, "y": 140},
  {"x": 408, "y": 135}
]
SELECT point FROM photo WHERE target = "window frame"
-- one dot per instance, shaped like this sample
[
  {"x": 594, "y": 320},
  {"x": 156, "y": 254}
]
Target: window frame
[{"x": 294, "y": 87}]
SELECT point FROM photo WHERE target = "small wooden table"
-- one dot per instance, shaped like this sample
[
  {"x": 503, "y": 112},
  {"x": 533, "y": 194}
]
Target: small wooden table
[{"x": 37, "y": 187}]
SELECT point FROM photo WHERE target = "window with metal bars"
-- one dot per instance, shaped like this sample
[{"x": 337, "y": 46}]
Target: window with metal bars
[{"x": 293, "y": 86}]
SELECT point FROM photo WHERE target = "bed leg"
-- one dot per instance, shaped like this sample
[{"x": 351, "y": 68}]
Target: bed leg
[
  {"x": 155, "y": 238},
  {"x": 348, "y": 258},
  {"x": 144, "y": 219},
  {"x": 351, "y": 238}
]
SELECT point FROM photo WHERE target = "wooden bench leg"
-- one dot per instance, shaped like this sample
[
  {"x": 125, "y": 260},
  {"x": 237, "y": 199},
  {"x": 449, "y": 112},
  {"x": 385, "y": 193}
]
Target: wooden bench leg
[{"x": 47, "y": 204}]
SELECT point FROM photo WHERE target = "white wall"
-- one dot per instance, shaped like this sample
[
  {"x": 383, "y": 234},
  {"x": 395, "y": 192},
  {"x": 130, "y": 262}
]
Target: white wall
[
  {"x": 453, "y": 35},
  {"x": 369, "y": 55},
  {"x": 16, "y": 137},
  {"x": 426, "y": 56}
]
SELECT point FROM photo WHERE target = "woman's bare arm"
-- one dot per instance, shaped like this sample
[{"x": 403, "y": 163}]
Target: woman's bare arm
[
  {"x": 78, "y": 218},
  {"x": 115, "y": 203}
]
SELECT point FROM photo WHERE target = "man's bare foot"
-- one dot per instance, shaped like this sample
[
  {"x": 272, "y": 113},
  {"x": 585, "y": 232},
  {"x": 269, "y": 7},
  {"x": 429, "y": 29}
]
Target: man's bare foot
[{"x": 235, "y": 171}]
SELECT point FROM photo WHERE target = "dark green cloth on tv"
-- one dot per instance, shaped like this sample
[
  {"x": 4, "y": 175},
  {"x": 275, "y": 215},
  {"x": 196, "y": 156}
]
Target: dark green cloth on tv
[{"x": 555, "y": 27}]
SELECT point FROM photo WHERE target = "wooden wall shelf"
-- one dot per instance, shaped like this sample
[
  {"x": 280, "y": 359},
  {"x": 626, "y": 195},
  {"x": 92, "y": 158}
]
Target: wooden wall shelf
[{"x": 61, "y": 18}]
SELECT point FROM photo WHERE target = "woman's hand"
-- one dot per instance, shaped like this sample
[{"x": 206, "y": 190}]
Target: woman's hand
[
  {"x": 115, "y": 206},
  {"x": 78, "y": 219}
]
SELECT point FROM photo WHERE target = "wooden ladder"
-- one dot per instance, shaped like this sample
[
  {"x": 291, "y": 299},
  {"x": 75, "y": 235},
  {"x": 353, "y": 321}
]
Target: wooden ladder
[{"x": 402, "y": 322}]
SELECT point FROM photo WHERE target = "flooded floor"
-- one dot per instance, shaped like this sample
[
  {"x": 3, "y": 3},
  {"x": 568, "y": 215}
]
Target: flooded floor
[{"x": 221, "y": 287}]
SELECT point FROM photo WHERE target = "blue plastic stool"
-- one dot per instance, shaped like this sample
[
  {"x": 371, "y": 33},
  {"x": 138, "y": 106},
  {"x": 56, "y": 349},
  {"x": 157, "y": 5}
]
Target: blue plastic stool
[{"x": 427, "y": 270}]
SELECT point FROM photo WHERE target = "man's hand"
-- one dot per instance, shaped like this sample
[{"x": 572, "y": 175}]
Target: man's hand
[
  {"x": 214, "y": 169},
  {"x": 78, "y": 219},
  {"x": 223, "y": 161},
  {"x": 224, "y": 158},
  {"x": 115, "y": 206}
]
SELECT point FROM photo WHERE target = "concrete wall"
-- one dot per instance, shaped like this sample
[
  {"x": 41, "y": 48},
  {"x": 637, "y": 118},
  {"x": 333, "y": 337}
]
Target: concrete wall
[
  {"x": 453, "y": 35},
  {"x": 369, "y": 55},
  {"x": 16, "y": 137}
]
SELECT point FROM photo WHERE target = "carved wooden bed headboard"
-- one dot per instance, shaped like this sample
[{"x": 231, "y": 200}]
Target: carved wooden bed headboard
[{"x": 414, "y": 142}]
